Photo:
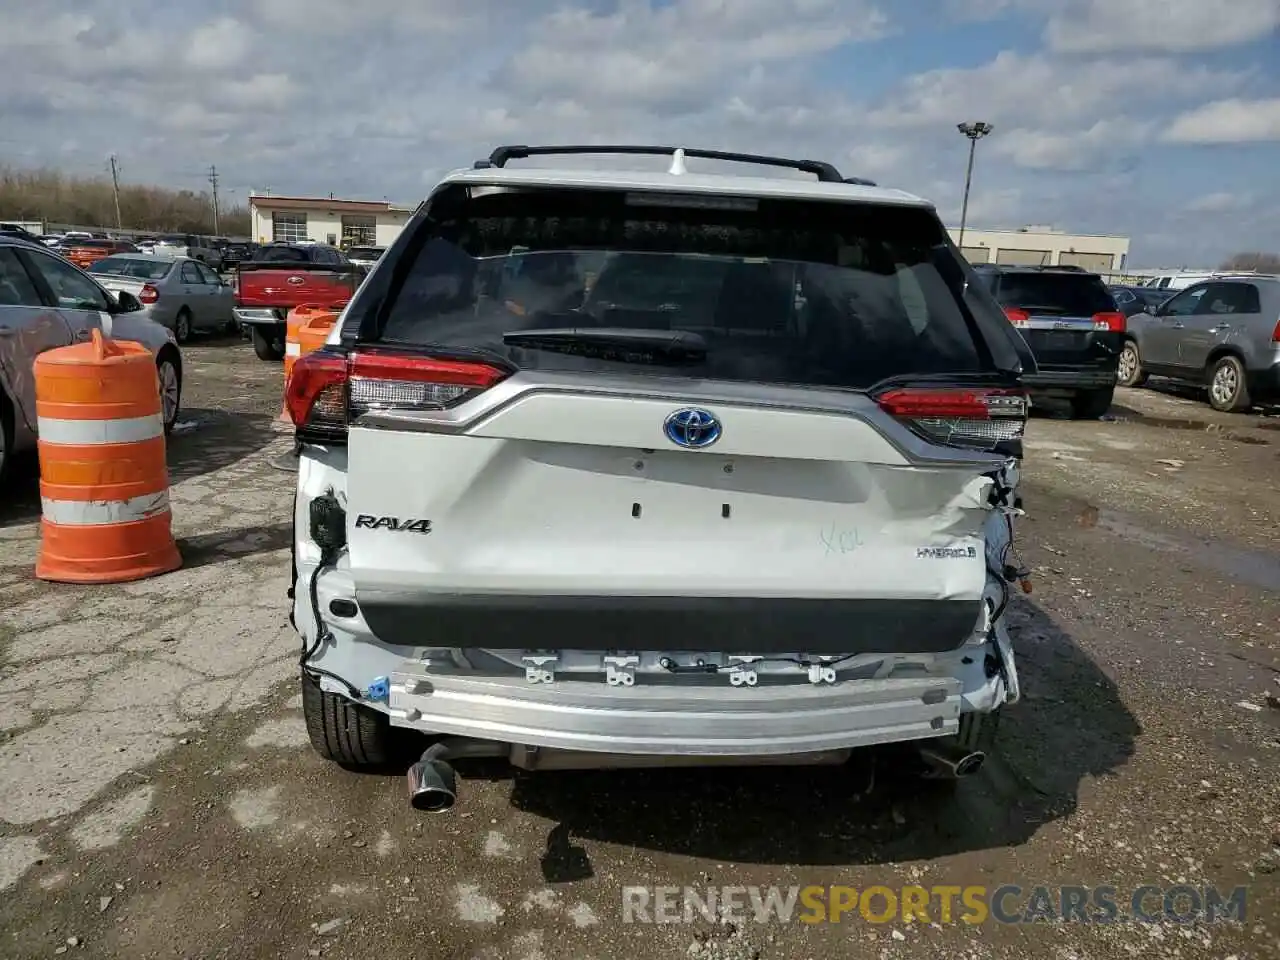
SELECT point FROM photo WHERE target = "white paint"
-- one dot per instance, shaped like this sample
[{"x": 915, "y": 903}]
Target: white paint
[
  {"x": 93, "y": 512},
  {"x": 107, "y": 826},
  {"x": 93, "y": 432},
  {"x": 386, "y": 844},
  {"x": 545, "y": 899},
  {"x": 17, "y": 856},
  {"x": 347, "y": 889},
  {"x": 582, "y": 915},
  {"x": 496, "y": 845},
  {"x": 256, "y": 809},
  {"x": 474, "y": 907}
]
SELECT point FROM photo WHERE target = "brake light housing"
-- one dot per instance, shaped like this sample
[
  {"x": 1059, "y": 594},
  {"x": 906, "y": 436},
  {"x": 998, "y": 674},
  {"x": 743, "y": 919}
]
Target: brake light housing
[
  {"x": 329, "y": 387},
  {"x": 1019, "y": 318},
  {"x": 1112, "y": 321},
  {"x": 975, "y": 418},
  {"x": 148, "y": 293},
  {"x": 1275, "y": 334}
]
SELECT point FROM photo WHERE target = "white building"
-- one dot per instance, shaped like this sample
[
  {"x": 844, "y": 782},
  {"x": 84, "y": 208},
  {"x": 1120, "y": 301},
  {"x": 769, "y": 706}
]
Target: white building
[
  {"x": 1044, "y": 246},
  {"x": 326, "y": 220}
]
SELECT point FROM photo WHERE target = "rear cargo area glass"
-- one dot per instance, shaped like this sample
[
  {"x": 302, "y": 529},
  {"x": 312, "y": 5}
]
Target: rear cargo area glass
[{"x": 780, "y": 291}]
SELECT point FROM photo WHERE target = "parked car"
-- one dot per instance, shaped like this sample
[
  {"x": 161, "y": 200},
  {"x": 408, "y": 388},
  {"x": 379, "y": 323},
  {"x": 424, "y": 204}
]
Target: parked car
[
  {"x": 737, "y": 497},
  {"x": 281, "y": 276},
  {"x": 84, "y": 253},
  {"x": 235, "y": 253},
  {"x": 189, "y": 245},
  {"x": 1223, "y": 334},
  {"x": 19, "y": 232},
  {"x": 47, "y": 302},
  {"x": 1133, "y": 300},
  {"x": 1071, "y": 324},
  {"x": 365, "y": 257},
  {"x": 184, "y": 295}
]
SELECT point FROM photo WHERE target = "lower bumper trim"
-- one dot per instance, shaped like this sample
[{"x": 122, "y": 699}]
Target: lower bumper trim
[{"x": 740, "y": 625}]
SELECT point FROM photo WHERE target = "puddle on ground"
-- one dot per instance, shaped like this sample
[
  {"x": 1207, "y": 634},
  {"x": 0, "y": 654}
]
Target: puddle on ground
[{"x": 1241, "y": 564}]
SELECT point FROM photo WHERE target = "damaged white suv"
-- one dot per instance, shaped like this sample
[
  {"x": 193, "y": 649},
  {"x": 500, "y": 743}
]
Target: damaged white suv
[{"x": 606, "y": 468}]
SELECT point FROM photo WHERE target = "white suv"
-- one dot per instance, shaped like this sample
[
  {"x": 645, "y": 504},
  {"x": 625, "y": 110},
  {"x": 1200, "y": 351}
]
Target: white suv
[{"x": 618, "y": 467}]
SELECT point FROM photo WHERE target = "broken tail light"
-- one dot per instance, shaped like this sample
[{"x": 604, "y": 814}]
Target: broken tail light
[
  {"x": 327, "y": 388},
  {"x": 977, "y": 418}
]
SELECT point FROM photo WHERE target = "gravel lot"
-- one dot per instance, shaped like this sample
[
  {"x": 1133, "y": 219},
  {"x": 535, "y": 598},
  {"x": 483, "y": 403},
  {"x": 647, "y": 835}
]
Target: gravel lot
[{"x": 158, "y": 797}]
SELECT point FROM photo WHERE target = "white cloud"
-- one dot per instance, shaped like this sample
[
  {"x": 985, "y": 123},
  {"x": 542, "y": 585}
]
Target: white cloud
[
  {"x": 378, "y": 97},
  {"x": 219, "y": 45},
  {"x": 1220, "y": 202},
  {"x": 1106, "y": 26},
  {"x": 1074, "y": 149},
  {"x": 1228, "y": 121}
]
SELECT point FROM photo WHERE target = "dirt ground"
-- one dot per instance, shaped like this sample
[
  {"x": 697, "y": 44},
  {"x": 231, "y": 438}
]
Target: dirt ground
[{"x": 158, "y": 797}]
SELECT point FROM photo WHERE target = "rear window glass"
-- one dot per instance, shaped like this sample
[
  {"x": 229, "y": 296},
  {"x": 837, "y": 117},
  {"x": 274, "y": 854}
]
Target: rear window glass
[
  {"x": 133, "y": 267},
  {"x": 1068, "y": 294},
  {"x": 283, "y": 255},
  {"x": 364, "y": 253},
  {"x": 780, "y": 291}
]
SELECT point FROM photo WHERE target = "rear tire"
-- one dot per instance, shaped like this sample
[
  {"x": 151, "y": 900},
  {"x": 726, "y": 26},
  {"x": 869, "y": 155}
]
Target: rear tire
[
  {"x": 266, "y": 345},
  {"x": 1091, "y": 404},
  {"x": 1130, "y": 373},
  {"x": 182, "y": 326},
  {"x": 349, "y": 734},
  {"x": 1228, "y": 386}
]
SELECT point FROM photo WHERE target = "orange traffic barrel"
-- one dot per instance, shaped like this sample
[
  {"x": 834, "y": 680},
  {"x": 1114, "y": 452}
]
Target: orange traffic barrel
[
  {"x": 306, "y": 328},
  {"x": 104, "y": 483}
]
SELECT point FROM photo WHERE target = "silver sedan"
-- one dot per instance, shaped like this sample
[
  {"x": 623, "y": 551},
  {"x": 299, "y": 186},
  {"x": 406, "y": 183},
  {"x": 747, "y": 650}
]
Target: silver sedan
[{"x": 181, "y": 294}]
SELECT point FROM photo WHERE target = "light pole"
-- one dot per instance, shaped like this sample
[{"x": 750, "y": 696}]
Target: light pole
[{"x": 975, "y": 132}]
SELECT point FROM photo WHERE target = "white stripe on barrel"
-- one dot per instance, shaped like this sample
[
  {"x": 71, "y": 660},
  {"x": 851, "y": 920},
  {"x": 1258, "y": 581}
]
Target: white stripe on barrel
[
  {"x": 89, "y": 512},
  {"x": 129, "y": 430},
  {"x": 293, "y": 349}
]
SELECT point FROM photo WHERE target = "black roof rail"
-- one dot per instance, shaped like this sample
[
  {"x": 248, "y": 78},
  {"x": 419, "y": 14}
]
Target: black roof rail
[
  {"x": 860, "y": 181},
  {"x": 825, "y": 172}
]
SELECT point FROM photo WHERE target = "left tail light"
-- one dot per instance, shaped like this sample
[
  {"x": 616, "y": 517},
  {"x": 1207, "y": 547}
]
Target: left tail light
[
  {"x": 1112, "y": 321},
  {"x": 148, "y": 293},
  {"x": 329, "y": 387},
  {"x": 975, "y": 418}
]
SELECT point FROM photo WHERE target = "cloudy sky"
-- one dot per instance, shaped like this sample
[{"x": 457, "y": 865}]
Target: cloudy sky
[{"x": 1156, "y": 119}]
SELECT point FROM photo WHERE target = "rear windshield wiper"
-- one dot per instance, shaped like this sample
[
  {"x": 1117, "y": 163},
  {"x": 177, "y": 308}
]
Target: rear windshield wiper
[{"x": 623, "y": 344}]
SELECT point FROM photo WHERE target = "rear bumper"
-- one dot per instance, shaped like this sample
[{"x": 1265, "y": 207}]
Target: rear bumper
[
  {"x": 690, "y": 720},
  {"x": 739, "y": 625},
  {"x": 1071, "y": 378},
  {"x": 1265, "y": 384},
  {"x": 258, "y": 316}
]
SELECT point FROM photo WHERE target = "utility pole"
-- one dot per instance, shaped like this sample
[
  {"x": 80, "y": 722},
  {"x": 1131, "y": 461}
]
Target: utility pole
[
  {"x": 213, "y": 179},
  {"x": 975, "y": 132},
  {"x": 115, "y": 190}
]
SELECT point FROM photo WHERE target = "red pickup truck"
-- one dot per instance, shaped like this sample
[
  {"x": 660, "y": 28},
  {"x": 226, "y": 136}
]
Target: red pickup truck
[{"x": 281, "y": 276}]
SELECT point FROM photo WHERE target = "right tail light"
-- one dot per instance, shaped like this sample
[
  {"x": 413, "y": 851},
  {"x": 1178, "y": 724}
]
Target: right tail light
[
  {"x": 1112, "y": 321},
  {"x": 329, "y": 387},
  {"x": 1275, "y": 334},
  {"x": 976, "y": 418}
]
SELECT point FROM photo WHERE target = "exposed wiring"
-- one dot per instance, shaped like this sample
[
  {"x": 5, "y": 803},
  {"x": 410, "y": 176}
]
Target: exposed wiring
[{"x": 322, "y": 634}]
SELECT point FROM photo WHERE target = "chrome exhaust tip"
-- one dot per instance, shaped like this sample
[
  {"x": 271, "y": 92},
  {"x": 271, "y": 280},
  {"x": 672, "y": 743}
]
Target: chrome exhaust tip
[
  {"x": 433, "y": 786},
  {"x": 950, "y": 762}
]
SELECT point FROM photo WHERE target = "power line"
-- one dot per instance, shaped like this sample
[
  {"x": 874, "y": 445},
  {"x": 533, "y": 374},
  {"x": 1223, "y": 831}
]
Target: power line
[
  {"x": 115, "y": 190},
  {"x": 213, "y": 179}
]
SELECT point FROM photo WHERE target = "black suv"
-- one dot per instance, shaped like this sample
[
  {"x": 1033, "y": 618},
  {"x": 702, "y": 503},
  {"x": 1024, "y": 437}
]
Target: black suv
[{"x": 1072, "y": 325}]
